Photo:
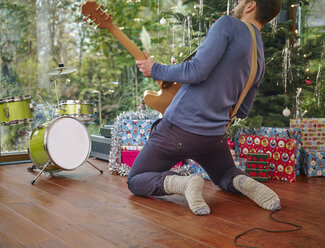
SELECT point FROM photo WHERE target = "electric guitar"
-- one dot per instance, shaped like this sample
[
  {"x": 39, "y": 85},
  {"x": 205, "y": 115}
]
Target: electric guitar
[{"x": 156, "y": 100}]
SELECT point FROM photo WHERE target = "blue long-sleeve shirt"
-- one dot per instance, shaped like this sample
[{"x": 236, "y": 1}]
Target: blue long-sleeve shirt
[{"x": 212, "y": 81}]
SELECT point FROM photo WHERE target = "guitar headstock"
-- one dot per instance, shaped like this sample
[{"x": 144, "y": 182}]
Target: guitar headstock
[{"x": 96, "y": 13}]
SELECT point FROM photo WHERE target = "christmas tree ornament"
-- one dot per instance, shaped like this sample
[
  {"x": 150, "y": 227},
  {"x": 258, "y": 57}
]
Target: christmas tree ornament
[
  {"x": 286, "y": 64},
  {"x": 274, "y": 24},
  {"x": 163, "y": 21},
  {"x": 286, "y": 112},
  {"x": 172, "y": 60},
  {"x": 308, "y": 81},
  {"x": 319, "y": 83}
]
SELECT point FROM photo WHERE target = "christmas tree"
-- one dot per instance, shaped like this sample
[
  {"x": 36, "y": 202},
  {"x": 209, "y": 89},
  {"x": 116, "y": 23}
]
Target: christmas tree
[{"x": 293, "y": 85}]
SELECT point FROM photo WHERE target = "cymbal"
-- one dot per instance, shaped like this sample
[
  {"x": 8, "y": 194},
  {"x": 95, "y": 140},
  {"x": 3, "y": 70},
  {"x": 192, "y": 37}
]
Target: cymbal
[{"x": 61, "y": 70}]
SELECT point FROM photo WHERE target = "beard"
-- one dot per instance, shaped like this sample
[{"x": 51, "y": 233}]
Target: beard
[{"x": 239, "y": 12}]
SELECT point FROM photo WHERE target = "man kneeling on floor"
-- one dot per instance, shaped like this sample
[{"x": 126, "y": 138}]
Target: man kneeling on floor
[{"x": 194, "y": 124}]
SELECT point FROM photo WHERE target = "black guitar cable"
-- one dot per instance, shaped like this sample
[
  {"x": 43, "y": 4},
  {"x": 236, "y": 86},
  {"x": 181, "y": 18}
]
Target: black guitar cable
[{"x": 265, "y": 230}]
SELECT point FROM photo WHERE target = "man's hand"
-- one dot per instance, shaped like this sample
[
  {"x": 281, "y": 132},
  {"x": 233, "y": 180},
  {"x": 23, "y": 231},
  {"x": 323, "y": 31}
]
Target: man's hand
[{"x": 145, "y": 66}]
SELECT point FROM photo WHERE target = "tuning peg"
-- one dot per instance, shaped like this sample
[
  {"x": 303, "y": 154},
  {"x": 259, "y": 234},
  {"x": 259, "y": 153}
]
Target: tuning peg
[
  {"x": 87, "y": 17},
  {"x": 104, "y": 12},
  {"x": 97, "y": 26},
  {"x": 100, "y": 7},
  {"x": 93, "y": 20}
]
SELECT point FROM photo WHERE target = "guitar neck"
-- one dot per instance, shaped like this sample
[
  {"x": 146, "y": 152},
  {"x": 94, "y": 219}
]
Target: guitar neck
[{"x": 126, "y": 42}]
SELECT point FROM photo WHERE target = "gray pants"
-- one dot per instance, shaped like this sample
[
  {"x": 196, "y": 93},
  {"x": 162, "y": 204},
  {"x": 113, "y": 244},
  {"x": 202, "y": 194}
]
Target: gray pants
[{"x": 168, "y": 145}]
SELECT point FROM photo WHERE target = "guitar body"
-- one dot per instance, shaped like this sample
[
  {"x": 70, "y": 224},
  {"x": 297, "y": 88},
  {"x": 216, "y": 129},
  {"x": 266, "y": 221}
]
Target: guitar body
[
  {"x": 156, "y": 100},
  {"x": 161, "y": 100}
]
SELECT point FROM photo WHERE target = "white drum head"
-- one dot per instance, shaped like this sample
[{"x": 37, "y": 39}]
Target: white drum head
[{"x": 68, "y": 143}]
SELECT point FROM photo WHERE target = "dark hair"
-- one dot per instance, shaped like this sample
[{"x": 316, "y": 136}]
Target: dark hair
[{"x": 267, "y": 9}]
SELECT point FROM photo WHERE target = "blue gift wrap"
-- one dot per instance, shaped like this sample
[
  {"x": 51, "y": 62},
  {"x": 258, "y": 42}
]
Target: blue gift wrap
[
  {"x": 135, "y": 132},
  {"x": 196, "y": 168},
  {"x": 313, "y": 163}
]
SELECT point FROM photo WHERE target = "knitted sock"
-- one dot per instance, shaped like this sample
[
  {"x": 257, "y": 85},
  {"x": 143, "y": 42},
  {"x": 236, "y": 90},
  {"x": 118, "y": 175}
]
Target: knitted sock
[
  {"x": 191, "y": 187},
  {"x": 257, "y": 192}
]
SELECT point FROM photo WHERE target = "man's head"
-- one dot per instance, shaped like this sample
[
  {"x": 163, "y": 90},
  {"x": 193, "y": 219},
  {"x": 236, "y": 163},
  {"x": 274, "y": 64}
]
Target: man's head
[{"x": 263, "y": 10}]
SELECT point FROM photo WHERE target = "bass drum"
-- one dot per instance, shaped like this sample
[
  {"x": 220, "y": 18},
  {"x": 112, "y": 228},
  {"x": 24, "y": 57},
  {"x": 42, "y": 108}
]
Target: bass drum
[{"x": 63, "y": 143}]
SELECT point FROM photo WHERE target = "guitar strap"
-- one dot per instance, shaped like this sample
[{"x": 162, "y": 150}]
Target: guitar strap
[{"x": 232, "y": 112}]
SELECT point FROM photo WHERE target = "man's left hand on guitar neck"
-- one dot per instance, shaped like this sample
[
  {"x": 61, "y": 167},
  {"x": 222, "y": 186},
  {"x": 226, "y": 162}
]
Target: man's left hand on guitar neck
[{"x": 145, "y": 66}]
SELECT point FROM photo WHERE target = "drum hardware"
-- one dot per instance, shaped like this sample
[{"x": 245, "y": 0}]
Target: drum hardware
[
  {"x": 61, "y": 70},
  {"x": 56, "y": 92},
  {"x": 6, "y": 112},
  {"x": 44, "y": 167},
  {"x": 31, "y": 107},
  {"x": 39, "y": 127},
  {"x": 34, "y": 168},
  {"x": 56, "y": 72},
  {"x": 101, "y": 172}
]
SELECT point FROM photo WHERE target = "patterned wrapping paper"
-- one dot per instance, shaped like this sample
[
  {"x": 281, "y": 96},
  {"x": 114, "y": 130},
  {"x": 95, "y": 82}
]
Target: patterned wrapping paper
[
  {"x": 289, "y": 133},
  {"x": 196, "y": 167},
  {"x": 129, "y": 156},
  {"x": 313, "y": 132},
  {"x": 281, "y": 151},
  {"x": 135, "y": 132},
  {"x": 258, "y": 166},
  {"x": 313, "y": 163}
]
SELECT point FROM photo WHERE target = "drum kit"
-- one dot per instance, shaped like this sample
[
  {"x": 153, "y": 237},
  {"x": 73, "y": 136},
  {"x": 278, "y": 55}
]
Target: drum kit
[{"x": 62, "y": 143}]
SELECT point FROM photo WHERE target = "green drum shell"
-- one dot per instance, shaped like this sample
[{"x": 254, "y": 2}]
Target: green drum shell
[
  {"x": 78, "y": 109},
  {"x": 18, "y": 110},
  {"x": 37, "y": 151}
]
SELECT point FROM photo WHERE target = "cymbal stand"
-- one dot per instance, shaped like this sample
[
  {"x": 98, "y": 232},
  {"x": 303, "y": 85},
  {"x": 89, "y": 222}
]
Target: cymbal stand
[
  {"x": 0, "y": 139},
  {"x": 56, "y": 91},
  {"x": 101, "y": 172},
  {"x": 44, "y": 167}
]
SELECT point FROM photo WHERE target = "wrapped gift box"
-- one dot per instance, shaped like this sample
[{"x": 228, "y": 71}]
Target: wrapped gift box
[
  {"x": 131, "y": 148},
  {"x": 313, "y": 132},
  {"x": 135, "y": 132},
  {"x": 241, "y": 164},
  {"x": 258, "y": 166},
  {"x": 196, "y": 167},
  {"x": 128, "y": 157},
  {"x": 281, "y": 152},
  {"x": 270, "y": 132},
  {"x": 313, "y": 163},
  {"x": 258, "y": 175}
]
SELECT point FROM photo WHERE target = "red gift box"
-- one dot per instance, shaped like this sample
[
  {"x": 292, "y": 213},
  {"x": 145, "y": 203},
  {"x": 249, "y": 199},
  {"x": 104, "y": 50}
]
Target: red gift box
[
  {"x": 128, "y": 157},
  {"x": 281, "y": 154}
]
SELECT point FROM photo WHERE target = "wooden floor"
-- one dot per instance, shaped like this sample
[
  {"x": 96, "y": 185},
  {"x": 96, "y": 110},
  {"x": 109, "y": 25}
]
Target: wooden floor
[{"x": 82, "y": 208}]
